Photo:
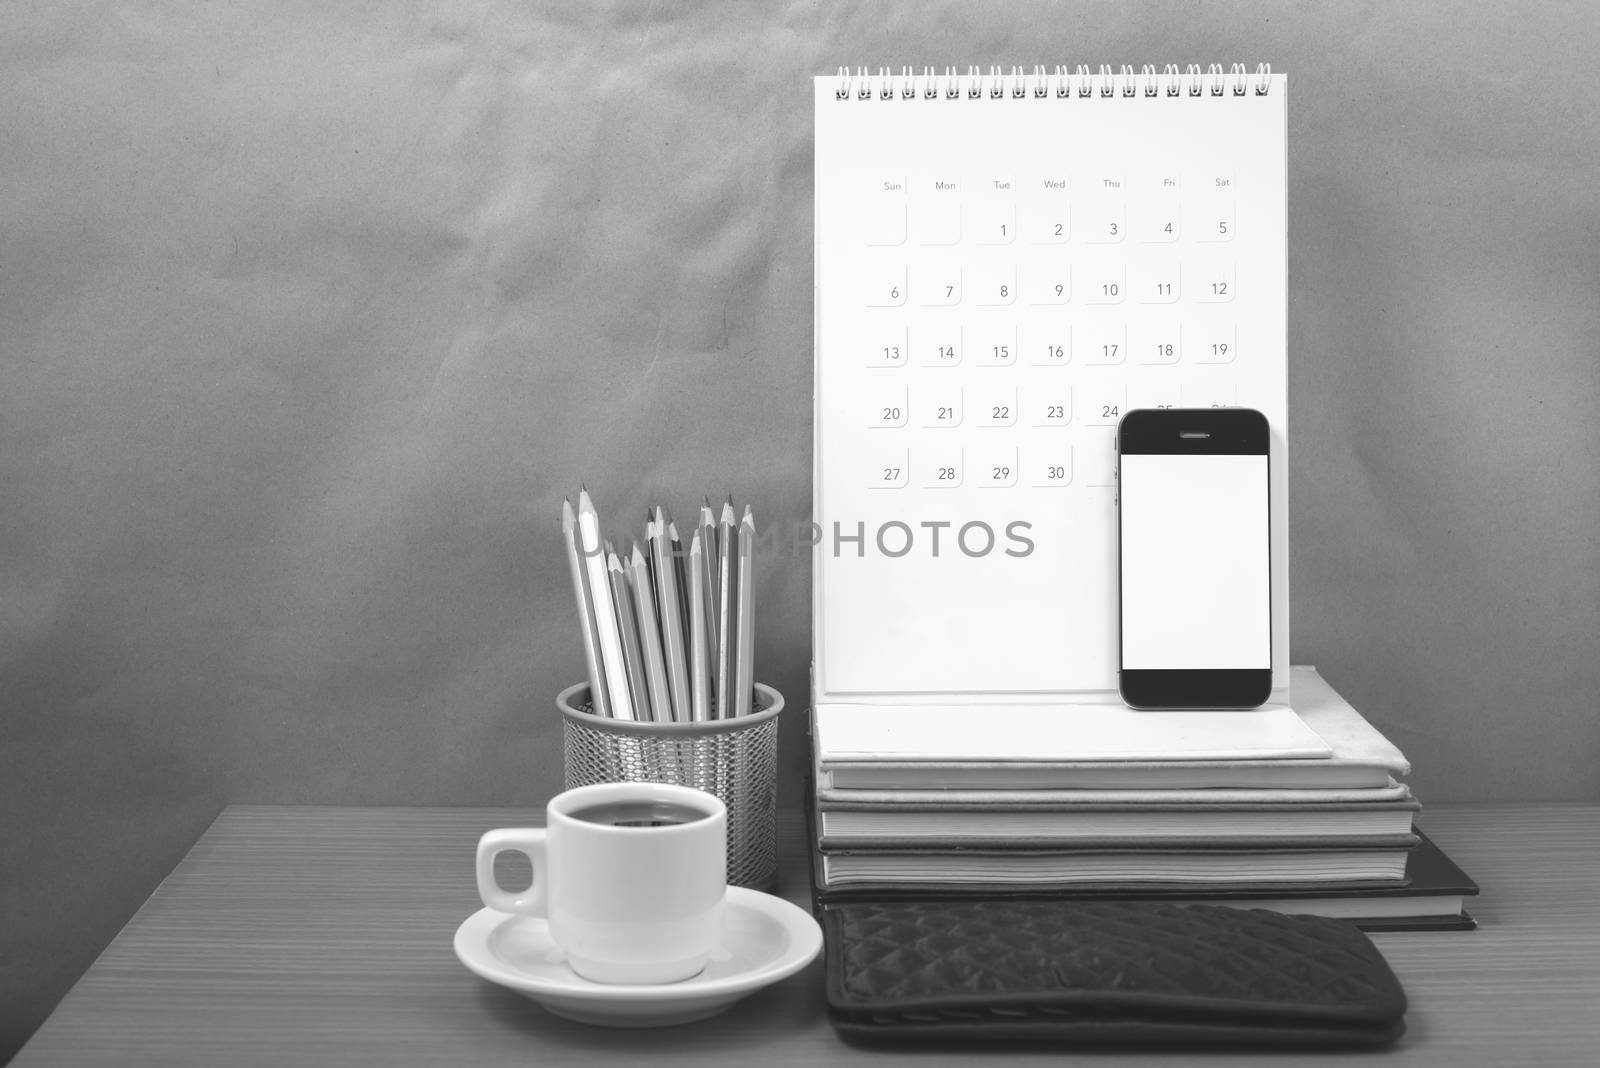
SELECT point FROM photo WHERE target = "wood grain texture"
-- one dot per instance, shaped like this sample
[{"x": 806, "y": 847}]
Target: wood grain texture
[{"x": 322, "y": 936}]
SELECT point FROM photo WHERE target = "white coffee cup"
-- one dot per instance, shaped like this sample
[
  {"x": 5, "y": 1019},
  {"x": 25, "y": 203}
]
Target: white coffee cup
[{"x": 631, "y": 877}]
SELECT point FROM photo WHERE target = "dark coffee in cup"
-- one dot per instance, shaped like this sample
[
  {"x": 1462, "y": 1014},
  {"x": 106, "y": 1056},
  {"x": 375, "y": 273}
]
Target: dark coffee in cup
[
  {"x": 639, "y": 813},
  {"x": 630, "y": 876}
]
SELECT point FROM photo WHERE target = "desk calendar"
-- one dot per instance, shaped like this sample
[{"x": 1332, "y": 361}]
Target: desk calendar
[{"x": 1005, "y": 263}]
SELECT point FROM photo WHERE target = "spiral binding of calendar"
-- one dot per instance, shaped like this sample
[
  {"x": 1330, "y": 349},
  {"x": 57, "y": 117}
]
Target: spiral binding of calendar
[{"x": 1060, "y": 82}]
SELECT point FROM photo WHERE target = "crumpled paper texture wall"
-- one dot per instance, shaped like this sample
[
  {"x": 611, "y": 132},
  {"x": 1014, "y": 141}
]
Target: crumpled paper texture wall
[{"x": 310, "y": 315}]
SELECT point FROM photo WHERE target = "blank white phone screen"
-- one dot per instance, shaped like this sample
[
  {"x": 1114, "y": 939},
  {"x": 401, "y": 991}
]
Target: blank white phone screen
[{"x": 1195, "y": 562}]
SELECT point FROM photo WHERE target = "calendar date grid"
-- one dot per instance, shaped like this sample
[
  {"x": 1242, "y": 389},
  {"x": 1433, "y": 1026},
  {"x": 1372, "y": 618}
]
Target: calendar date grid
[{"x": 1030, "y": 315}]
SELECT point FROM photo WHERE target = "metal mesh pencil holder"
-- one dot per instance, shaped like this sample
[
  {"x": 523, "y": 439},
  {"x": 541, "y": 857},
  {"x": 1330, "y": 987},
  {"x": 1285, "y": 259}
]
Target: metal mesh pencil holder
[{"x": 735, "y": 759}]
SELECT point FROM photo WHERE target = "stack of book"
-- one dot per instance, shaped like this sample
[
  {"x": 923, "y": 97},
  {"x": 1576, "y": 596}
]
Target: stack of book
[{"x": 1300, "y": 811}]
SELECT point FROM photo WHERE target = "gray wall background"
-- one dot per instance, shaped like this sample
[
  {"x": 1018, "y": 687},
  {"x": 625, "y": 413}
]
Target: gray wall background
[{"x": 310, "y": 316}]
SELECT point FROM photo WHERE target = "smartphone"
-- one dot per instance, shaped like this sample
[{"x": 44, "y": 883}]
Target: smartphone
[{"x": 1194, "y": 553}]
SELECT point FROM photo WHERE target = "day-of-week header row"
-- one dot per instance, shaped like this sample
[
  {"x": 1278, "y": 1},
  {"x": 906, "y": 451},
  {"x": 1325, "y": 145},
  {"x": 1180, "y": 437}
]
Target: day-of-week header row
[{"x": 1106, "y": 182}]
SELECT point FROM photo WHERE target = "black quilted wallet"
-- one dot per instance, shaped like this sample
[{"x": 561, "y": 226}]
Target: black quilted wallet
[{"x": 1105, "y": 973}]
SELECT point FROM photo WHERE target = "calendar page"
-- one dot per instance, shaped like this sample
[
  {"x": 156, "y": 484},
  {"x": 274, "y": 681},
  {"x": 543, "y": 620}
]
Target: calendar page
[{"x": 1005, "y": 264}]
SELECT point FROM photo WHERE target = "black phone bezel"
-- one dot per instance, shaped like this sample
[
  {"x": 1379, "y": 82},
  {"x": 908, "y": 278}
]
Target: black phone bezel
[{"x": 1210, "y": 432}]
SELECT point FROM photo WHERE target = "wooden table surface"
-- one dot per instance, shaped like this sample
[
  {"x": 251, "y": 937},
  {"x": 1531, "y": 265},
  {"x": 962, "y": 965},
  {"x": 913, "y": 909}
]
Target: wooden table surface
[{"x": 323, "y": 936}]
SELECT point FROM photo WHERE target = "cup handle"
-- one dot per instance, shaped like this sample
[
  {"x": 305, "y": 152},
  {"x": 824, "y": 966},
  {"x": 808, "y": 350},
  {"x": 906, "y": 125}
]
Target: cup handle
[{"x": 528, "y": 841}]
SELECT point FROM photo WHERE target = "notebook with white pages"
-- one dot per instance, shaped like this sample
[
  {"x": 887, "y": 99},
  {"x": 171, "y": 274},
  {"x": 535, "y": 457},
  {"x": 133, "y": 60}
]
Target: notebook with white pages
[
  {"x": 1040, "y": 733},
  {"x": 890, "y": 750},
  {"x": 1005, "y": 262},
  {"x": 1132, "y": 868}
]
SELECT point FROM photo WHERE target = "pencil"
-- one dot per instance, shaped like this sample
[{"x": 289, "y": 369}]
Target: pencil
[
  {"x": 605, "y": 613},
  {"x": 727, "y": 609},
  {"x": 680, "y": 566},
  {"x": 708, "y": 549},
  {"x": 586, "y": 621},
  {"x": 628, "y": 627},
  {"x": 744, "y": 661},
  {"x": 655, "y": 667},
  {"x": 700, "y": 674},
  {"x": 669, "y": 607},
  {"x": 708, "y": 588}
]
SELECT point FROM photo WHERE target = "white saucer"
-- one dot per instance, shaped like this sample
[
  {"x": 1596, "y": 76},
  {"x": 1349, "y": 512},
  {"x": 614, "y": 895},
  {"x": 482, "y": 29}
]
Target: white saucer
[{"x": 766, "y": 939}]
